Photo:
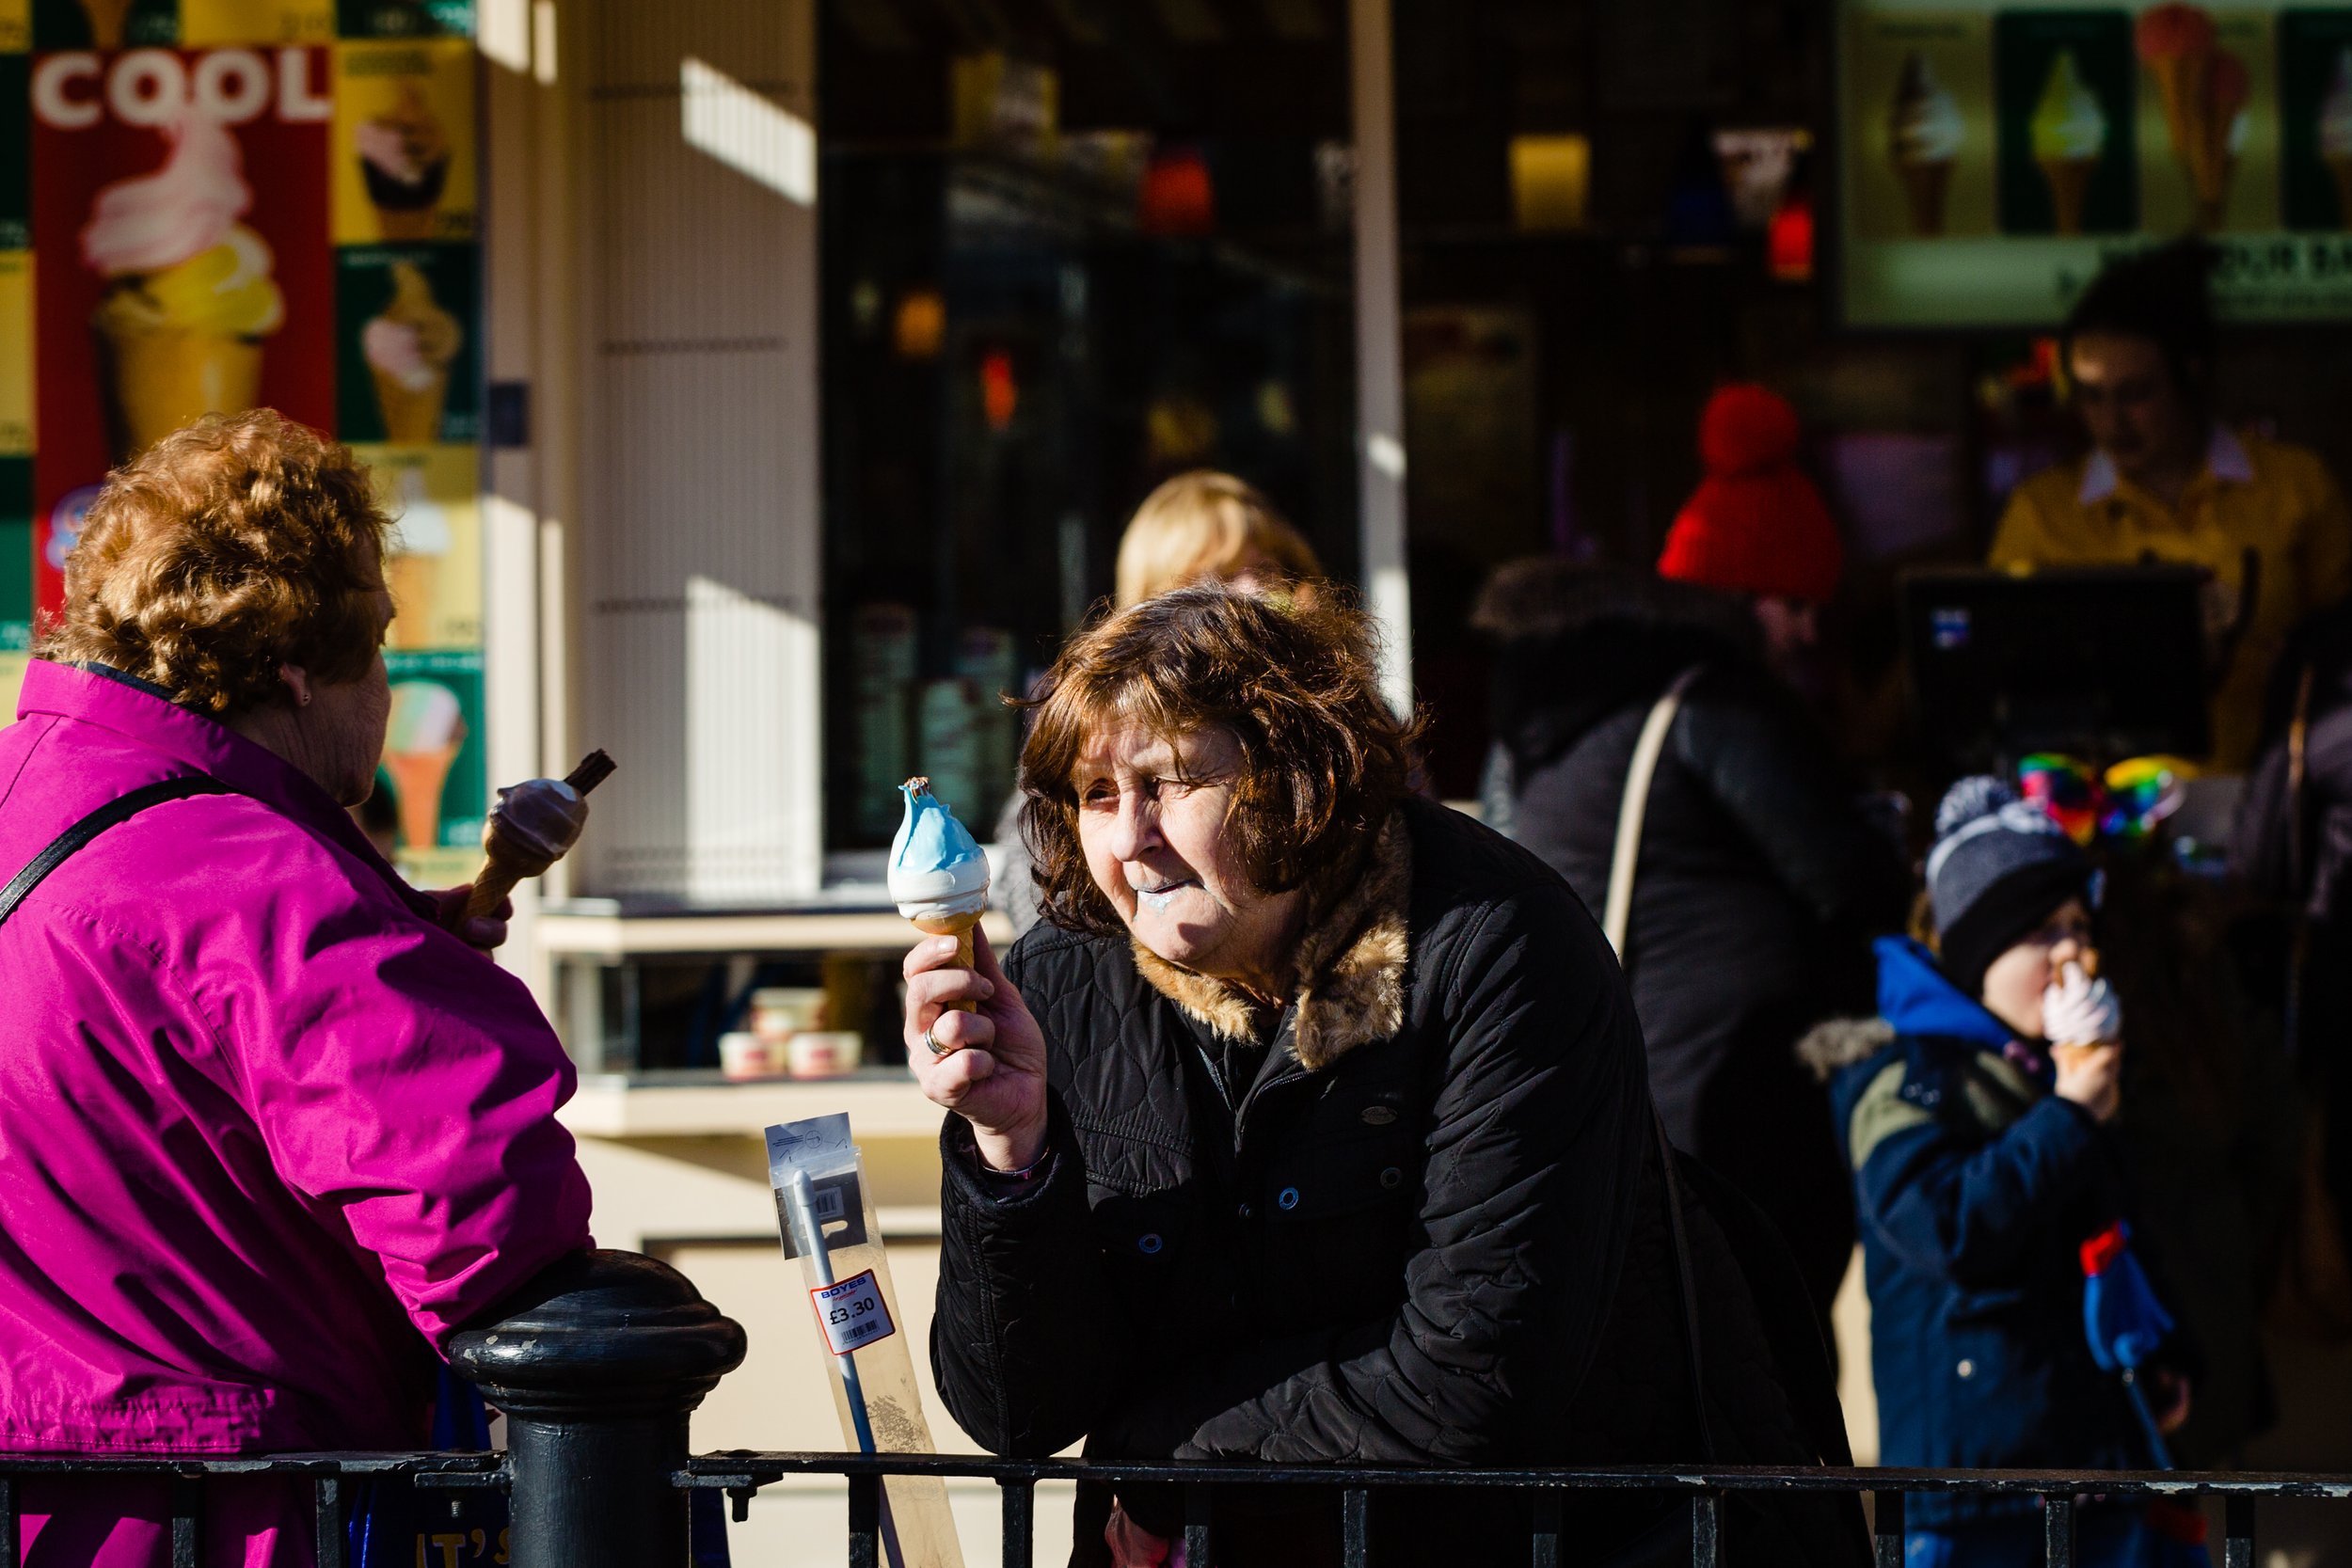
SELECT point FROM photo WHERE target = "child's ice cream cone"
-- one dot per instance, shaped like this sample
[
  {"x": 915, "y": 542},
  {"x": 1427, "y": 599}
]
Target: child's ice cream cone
[
  {"x": 533, "y": 826},
  {"x": 409, "y": 347},
  {"x": 938, "y": 872},
  {"x": 189, "y": 297},
  {"x": 426, "y": 732},
  {"x": 2069, "y": 133},
  {"x": 404, "y": 158},
  {"x": 1923, "y": 137},
  {"x": 106, "y": 19},
  {"x": 2335, "y": 136}
]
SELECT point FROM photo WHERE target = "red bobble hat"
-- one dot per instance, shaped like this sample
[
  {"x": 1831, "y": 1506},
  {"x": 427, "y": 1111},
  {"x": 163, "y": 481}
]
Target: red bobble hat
[{"x": 1756, "y": 524}]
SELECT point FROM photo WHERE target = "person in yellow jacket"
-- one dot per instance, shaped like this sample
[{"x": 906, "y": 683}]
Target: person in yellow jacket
[{"x": 2169, "y": 483}]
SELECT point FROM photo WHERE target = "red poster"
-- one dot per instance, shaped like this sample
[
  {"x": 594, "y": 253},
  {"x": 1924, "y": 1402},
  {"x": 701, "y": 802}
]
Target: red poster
[{"x": 182, "y": 250}]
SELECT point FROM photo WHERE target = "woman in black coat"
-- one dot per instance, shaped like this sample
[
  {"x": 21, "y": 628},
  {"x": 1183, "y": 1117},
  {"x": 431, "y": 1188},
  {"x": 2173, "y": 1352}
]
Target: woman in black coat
[
  {"x": 1759, "y": 884},
  {"x": 1312, "y": 1127}
]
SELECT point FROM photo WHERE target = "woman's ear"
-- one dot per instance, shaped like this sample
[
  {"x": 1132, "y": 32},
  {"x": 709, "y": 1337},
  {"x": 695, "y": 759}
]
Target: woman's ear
[{"x": 298, "y": 681}]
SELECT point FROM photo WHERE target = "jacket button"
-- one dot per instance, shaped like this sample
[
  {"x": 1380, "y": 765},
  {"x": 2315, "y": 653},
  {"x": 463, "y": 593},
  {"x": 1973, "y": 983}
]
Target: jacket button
[
  {"x": 1148, "y": 1242},
  {"x": 1247, "y": 1212},
  {"x": 1966, "y": 1369},
  {"x": 1287, "y": 1197},
  {"x": 1391, "y": 1179}
]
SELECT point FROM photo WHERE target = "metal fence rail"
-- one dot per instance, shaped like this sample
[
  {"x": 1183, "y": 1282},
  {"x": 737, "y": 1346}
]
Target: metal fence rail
[
  {"x": 328, "y": 1475},
  {"x": 598, "y": 1371},
  {"x": 2059, "y": 1493}
]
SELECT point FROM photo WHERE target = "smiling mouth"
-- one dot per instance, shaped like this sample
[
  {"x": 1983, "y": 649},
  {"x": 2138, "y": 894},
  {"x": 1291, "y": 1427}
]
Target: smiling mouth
[{"x": 1158, "y": 897}]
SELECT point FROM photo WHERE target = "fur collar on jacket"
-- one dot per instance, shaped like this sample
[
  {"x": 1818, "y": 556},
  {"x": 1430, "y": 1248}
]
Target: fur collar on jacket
[{"x": 1351, "y": 961}]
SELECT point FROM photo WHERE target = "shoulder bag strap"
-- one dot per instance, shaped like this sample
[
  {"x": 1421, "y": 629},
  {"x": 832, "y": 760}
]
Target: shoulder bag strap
[
  {"x": 1617, "y": 909},
  {"x": 65, "y": 844}
]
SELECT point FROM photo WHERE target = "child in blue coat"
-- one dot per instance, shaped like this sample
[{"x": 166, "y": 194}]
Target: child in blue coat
[{"x": 1972, "y": 1112}]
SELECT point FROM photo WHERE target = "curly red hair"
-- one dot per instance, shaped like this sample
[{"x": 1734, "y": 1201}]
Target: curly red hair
[{"x": 241, "y": 543}]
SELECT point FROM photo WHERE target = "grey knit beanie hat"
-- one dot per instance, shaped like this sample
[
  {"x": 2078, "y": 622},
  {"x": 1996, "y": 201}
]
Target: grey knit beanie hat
[{"x": 1999, "y": 869}]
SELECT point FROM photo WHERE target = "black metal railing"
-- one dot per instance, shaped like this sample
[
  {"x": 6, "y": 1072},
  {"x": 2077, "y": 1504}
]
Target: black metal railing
[
  {"x": 599, "y": 1368},
  {"x": 2058, "y": 1492}
]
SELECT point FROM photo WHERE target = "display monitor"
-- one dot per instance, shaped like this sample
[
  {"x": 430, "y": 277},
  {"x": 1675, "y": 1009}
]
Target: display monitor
[{"x": 2103, "y": 663}]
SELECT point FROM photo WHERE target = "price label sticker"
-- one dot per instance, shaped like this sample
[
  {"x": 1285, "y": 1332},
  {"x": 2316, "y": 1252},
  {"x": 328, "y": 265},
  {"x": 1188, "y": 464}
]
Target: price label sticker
[{"x": 852, "y": 1314}]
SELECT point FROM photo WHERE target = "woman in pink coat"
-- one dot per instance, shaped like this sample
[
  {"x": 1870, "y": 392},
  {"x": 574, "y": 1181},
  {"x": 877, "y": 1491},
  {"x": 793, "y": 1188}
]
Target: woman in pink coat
[{"x": 270, "y": 1128}]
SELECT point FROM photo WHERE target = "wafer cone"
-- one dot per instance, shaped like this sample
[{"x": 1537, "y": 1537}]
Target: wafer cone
[
  {"x": 106, "y": 19},
  {"x": 2070, "y": 187},
  {"x": 418, "y": 778},
  {"x": 2212, "y": 207},
  {"x": 1925, "y": 185},
  {"x": 412, "y": 580},
  {"x": 158, "y": 381},
  {"x": 959, "y": 926},
  {"x": 411, "y": 414},
  {"x": 2183, "y": 83}
]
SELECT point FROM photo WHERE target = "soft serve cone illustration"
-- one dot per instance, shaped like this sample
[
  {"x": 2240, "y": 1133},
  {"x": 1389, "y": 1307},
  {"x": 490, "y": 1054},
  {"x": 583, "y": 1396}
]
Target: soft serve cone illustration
[
  {"x": 2069, "y": 131},
  {"x": 1923, "y": 137},
  {"x": 189, "y": 297},
  {"x": 420, "y": 541},
  {"x": 2335, "y": 136},
  {"x": 404, "y": 158},
  {"x": 409, "y": 346},
  {"x": 427, "y": 729},
  {"x": 938, "y": 872},
  {"x": 2205, "y": 88},
  {"x": 106, "y": 20}
]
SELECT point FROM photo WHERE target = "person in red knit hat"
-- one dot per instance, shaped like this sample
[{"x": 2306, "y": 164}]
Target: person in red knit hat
[
  {"x": 1755, "y": 525},
  {"x": 1759, "y": 879}
]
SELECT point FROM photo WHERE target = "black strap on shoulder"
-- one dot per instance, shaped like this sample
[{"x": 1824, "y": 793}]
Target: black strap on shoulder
[{"x": 63, "y": 847}]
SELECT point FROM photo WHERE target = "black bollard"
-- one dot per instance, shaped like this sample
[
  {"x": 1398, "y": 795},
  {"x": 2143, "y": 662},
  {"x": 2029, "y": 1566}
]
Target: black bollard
[{"x": 598, "y": 1364}]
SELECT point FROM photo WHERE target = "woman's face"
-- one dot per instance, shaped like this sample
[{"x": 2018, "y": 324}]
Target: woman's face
[
  {"x": 2014, "y": 984},
  {"x": 336, "y": 736},
  {"x": 1153, "y": 820}
]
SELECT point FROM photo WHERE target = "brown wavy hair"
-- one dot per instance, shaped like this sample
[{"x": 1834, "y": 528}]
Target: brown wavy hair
[
  {"x": 226, "y": 549},
  {"x": 1294, "y": 679}
]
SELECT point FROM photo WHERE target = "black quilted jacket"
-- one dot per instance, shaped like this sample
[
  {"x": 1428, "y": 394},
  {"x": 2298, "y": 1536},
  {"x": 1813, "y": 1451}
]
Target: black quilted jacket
[{"x": 1447, "y": 1246}]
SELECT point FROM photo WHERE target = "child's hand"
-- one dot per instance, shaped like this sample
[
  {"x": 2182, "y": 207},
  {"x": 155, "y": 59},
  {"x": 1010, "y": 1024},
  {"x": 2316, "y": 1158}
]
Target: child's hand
[{"x": 2091, "y": 1076}]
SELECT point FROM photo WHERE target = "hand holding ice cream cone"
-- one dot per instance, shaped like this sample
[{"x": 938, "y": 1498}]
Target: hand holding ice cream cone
[
  {"x": 2084, "y": 1024},
  {"x": 938, "y": 872},
  {"x": 533, "y": 826}
]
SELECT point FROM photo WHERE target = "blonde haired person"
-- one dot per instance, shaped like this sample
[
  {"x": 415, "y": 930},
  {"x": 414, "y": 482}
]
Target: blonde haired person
[{"x": 1203, "y": 525}]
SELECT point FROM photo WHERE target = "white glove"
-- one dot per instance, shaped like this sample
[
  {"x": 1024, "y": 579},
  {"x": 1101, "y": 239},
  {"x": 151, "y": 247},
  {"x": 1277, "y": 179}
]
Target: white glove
[{"x": 2079, "y": 1011}]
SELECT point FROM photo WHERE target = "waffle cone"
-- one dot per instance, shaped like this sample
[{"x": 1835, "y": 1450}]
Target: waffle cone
[
  {"x": 959, "y": 926},
  {"x": 2070, "y": 188},
  {"x": 158, "y": 381},
  {"x": 411, "y": 416},
  {"x": 417, "y": 780},
  {"x": 1925, "y": 186}
]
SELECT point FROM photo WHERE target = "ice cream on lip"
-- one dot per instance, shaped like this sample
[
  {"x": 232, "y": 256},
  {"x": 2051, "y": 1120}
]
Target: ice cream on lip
[{"x": 938, "y": 870}]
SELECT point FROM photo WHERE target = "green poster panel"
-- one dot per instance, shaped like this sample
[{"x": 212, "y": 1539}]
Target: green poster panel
[
  {"x": 2315, "y": 118},
  {"x": 2064, "y": 86},
  {"x": 403, "y": 19},
  {"x": 408, "y": 343},
  {"x": 103, "y": 23}
]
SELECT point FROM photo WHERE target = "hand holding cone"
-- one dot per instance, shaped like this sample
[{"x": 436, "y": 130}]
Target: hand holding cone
[{"x": 530, "y": 827}]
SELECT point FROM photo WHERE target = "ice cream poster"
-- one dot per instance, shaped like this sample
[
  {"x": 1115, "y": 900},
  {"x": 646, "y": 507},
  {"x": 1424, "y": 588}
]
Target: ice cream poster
[
  {"x": 1990, "y": 157},
  {"x": 434, "y": 566},
  {"x": 432, "y": 769}
]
